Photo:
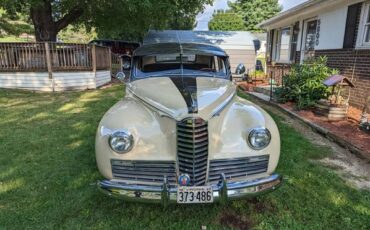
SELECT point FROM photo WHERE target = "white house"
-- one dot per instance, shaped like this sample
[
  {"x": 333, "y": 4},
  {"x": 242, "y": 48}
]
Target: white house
[{"x": 337, "y": 29}]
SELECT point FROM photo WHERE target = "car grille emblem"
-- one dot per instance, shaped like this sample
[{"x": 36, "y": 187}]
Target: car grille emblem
[{"x": 184, "y": 180}]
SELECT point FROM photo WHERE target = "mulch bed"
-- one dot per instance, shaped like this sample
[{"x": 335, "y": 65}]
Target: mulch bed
[{"x": 347, "y": 129}]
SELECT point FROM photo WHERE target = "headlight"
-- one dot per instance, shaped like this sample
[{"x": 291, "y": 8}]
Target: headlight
[
  {"x": 121, "y": 141},
  {"x": 259, "y": 138}
]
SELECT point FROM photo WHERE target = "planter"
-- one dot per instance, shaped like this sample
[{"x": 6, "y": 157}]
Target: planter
[
  {"x": 333, "y": 112},
  {"x": 246, "y": 86}
]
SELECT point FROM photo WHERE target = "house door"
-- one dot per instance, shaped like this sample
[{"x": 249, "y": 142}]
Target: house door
[{"x": 310, "y": 40}]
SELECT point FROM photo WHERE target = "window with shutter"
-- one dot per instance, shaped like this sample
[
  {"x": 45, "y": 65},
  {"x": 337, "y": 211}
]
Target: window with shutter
[
  {"x": 270, "y": 40},
  {"x": 363, "y": 39},
  {"x": 284, "y": 44},
  {"x": 353, "y": 20},
  {"x": 293, "y": 48},
  {"x": 280, "y": 45}
]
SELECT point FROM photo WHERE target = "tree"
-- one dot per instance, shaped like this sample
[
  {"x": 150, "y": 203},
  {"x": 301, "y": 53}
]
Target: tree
[
  {"x": 255, "y": 11},
  {"x": 226, "y": 21},
  {"x": 145, "y": 15},
  {"x": 122, "y": 19},
  {"x": 13, "y": 24},
  {"x": 76, "y": 34}
]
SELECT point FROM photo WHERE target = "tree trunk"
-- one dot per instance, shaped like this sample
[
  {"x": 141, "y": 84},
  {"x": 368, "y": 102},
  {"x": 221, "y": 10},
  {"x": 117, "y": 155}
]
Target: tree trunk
[
  {"x": 45, "y": 27},
  {"x": 43, "y": 22}
]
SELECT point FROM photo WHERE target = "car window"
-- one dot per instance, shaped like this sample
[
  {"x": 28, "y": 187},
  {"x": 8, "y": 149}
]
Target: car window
[{"x": 157, "y": 65}]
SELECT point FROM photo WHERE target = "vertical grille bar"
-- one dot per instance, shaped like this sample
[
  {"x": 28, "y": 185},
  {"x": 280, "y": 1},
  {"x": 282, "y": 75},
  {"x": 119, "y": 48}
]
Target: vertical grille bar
[{"x": 192, "y": 149}]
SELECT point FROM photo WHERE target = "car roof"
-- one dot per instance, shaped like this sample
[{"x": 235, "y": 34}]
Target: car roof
[
  {"x": 172, "y": 48},
  {"x": 113, "y": 41}
]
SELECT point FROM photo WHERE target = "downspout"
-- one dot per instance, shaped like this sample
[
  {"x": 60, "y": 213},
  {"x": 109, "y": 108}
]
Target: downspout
[{"x": 353, "y": 74}]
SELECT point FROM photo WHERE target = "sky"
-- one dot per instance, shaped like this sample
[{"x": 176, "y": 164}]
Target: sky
[{"x": 203, "y": 18}]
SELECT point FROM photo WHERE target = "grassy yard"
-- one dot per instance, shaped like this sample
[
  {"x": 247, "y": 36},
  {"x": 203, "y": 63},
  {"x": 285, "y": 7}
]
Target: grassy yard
[{"x": 48, "y": 173}]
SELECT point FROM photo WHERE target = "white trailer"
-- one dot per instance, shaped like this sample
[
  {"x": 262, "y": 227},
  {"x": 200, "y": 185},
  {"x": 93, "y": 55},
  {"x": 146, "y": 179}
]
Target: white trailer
[{"x": 241, "y": 46}]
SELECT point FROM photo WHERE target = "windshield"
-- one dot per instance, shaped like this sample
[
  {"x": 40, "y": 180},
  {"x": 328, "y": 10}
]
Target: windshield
[{"x": 185, "y": 64}]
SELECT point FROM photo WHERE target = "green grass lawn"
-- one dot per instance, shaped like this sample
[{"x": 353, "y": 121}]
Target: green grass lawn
[{"x": 48, "y": 174}]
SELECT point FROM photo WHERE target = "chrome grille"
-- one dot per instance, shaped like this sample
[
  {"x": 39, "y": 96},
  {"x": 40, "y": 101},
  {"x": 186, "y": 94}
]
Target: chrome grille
[
  {"x": 144, "y": 172},
  {"x": 237, "y": 167},
  {"x": 192, "y": 149}
]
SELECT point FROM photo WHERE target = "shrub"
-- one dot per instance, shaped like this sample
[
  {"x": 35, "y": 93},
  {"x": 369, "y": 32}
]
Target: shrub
[
  {"x": 257, "y": 74},
  {"x": 303, "y": 84}
]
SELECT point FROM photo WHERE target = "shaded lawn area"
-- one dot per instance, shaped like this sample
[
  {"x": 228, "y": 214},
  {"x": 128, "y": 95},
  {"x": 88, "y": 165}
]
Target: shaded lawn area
[{"x": 48, "y": 173}]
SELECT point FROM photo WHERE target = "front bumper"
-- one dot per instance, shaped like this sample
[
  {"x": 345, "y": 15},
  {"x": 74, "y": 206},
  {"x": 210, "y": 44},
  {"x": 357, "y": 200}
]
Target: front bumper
[{"x": 166, "y": 193}]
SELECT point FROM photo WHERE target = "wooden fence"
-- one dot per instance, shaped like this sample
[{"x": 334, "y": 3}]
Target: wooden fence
[
  {"x": 116, "y": 64},
  {"x": 51, "y": 57}
]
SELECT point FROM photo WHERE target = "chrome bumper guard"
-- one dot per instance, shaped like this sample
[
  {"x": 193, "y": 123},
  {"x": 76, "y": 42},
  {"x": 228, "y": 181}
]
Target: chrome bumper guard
[{"x": 166, "y": 194}]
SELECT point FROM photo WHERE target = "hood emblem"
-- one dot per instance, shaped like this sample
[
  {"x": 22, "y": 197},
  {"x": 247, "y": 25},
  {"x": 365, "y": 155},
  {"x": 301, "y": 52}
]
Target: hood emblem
[
  {"x": 194, "y": 102},
  {"x": 184, "y": 180}
]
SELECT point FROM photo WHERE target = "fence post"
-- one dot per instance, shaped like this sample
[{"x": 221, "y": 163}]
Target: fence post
[
  {"x": 48, "y": 64},
  {"x": 271, "y": 88},
  {"x": 282, "y": 74},
  {"x": 93, "y": 53},
  {"x": 48, "y": 59},
  {"x": 110, "y": 60},
  {"x": 120, "y": 64}
]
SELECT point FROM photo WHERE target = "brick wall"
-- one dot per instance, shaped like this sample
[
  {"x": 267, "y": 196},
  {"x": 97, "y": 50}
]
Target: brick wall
[
  {"x": 344, "y": 60},
  {"x": 277, "y": 72},
  {"x": 281, "y": 69},
  {"x": 355, "y": 65}
]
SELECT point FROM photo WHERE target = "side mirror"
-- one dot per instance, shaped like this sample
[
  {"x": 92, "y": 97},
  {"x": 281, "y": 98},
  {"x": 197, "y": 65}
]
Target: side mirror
[
  {"x": 121, "y": 76},
  {"x": 240, "y": 69}
]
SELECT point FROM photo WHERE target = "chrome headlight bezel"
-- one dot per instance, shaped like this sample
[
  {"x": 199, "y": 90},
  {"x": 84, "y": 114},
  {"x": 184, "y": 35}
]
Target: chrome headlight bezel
[
  {"x": 121, "y": 136},
  {"x": 252, "y": 138}
]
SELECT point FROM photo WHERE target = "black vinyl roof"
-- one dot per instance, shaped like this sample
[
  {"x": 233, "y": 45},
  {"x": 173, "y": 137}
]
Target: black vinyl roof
[{"x": 173, "y": 48}]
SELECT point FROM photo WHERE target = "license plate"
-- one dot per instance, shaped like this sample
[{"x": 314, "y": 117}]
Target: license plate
[{"x": 188, "y": 195}]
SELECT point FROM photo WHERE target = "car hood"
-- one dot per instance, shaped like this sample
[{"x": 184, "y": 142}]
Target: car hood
[{"x": 181, "y": 97}]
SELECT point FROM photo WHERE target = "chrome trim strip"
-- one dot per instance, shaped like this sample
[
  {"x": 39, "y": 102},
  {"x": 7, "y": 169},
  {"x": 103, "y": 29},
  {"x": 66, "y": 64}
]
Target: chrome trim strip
[
  {"x": 217, "y": 111},
  {"x": 104, "y": 131}
]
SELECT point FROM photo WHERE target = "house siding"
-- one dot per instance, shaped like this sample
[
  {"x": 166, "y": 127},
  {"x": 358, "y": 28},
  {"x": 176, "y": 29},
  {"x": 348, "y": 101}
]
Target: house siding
[
  {"x": 39, "y": 81},
  {"x": 60, "y": 81},
  {"x": 237, "y": 56},
  {"x": 332, "y": 28}
]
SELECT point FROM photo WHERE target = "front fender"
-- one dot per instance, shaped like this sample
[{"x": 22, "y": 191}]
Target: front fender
[
  {"x": 154, "y": 136},
  {"x": 228, "y": 133}
]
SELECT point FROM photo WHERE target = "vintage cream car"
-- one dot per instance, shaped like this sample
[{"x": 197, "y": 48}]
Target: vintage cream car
[{"x": 181, "y": 134}]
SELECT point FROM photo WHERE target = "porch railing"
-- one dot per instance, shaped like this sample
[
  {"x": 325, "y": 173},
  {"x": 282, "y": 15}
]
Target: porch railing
[
  {"x": 116, "y": 64},
  {"x": 49, "y": 56}
]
